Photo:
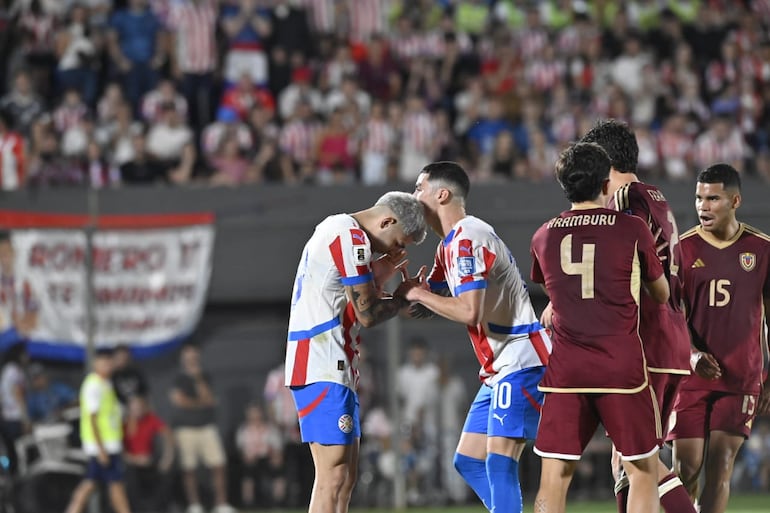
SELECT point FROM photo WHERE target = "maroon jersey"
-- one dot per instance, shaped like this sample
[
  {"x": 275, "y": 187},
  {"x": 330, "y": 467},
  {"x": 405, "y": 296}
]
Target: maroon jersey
[
  {"x": 592, "y": 261},
  {"x": 663, "y": 328},
  {"x": 724, "y": 286}
]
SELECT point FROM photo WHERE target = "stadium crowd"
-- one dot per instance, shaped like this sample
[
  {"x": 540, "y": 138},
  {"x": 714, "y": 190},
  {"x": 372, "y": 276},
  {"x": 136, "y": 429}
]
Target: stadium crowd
[{"x": 102, "y": 93}]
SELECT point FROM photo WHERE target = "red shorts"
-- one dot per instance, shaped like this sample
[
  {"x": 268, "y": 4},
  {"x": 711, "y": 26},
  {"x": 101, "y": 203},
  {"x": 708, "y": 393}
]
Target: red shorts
[
  {"x": 568, "y": 421},
  {"x": 666, "y": 387},
  {"x": 698, "y": 412}
]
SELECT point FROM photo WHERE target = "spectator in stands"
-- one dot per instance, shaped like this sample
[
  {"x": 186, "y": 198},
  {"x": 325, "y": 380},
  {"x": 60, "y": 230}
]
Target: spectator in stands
[
  {"x": 14, "y": 420},
  {"x": 418, "y": 139},
  {"x": 76, "y": 53},
  {"x": 377, "y": 145},
  {"x": 48, "y": 166},
  {"x": 192, "y": 24},
  {"x": 227, "y": 126},
  {"x": 35, "y": 25},
  {"x": 108, "y": 105},
  {"x": 136, "y": 49},
  {"x": 347, "y": 93},
  {"x": 196, "y": 433},
  {"x": 22, "y": 103},
  {"x": 147, "y": 468},
  {"x": 163, "y": 94},
  {"x": 247, "y": 26},
  {"x": 141, "y": 169},
  {"x": 127, "y": 378},
  {"x": 722, "y": 142},
  {"x": 230, "y": 166},
  {"x": 297, "y": 141},
  {"x": 117, "y": 135},
  {"x": 260, "y": 449},
  {"x": 378, "y": 72},
  {"x": 13, "y": 155},
  {"x": 335, "y": 152},
  {"x": 243, "y": 96},
  {"x": 301, "y": 90},
  {"x": 170, "y": 143},
  {"x": 48, "y": 400}
]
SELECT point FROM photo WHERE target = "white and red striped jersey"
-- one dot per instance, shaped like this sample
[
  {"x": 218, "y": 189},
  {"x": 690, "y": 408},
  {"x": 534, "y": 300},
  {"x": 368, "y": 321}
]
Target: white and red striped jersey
[
  {"x": 380, "y": 136},
  {"x": 12, "y": 165},
  {"x": 509, "y": 337},
  {"x": 367, "y": 17},
  {"x": 195, "y": 24},
  {"x": 323, "y": 331}
]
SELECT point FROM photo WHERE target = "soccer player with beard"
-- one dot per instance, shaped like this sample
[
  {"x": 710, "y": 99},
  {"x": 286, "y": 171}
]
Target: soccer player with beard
[
  {"x": 663, "y": 328},
  {"x": 726, "y": 281},
  {"x": 475, "y": 281},
  {"x": 592, "y": 262},
  {"x": 338, "y": 289}
]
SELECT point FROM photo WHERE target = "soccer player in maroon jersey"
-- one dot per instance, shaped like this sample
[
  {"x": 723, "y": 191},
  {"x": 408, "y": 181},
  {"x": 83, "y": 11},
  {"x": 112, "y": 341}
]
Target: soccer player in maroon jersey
[
  {"x": 663, "y": 328},
  {"x": 592, "y": 262},
  {"x": 726, "y": 277}
]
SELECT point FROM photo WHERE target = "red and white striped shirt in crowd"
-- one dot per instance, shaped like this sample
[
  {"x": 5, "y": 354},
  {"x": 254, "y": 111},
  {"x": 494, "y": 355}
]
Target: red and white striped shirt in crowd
[
  {"x": 674, "y": 145},
  {"x": 406, "y": 48},
  {"x": 531, "y": 43},
  {"x": 321, "y": 14},
  {"x": 544, "y": 75},
  {"x": 379, "y": 138},
  {"x": 154, "y": 99},
  {"x": 367, "y": 17},
  {"x": 298, "y": 139},
  {"x": 66, "y": 117},
  {"x": 11, "y": 161},
  {"x": 194, "y": 25},
  {"x": 216, "y": 132},
  {"x": 709, "y": 149},
  {"x": 40, "y": 30},
  {"x": 418, "y": 131}
]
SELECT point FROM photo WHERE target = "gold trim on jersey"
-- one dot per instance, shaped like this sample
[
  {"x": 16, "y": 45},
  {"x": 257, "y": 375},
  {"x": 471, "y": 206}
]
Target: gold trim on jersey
[
  {"x": 759, "y": 233},
  {"x": 636, "y": 275},
  {"x": 718, "y": 243},
  {"x": 659, "y": 370},
  {"x": 658, "y": 426},
  {"x": 621, "y": 198},
  {"x": 628, "y": 391}
]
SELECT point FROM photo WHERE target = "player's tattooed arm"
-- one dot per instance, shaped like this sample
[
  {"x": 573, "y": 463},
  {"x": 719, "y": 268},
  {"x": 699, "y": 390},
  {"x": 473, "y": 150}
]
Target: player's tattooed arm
[{"x": 372, "y": 309}]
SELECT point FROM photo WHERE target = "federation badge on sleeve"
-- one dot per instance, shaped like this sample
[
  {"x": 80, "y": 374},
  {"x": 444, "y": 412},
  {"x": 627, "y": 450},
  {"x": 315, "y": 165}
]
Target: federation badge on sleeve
[
  {"x": 748, "y": 261},
  {"x": 362, "y": 253},
  {"x": 466, "y": 266}
]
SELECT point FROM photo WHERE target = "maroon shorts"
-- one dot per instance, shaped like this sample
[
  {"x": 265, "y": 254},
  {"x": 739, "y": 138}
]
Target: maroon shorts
[
  {"x": 568, "y": 421},
  {"x": 665, "y": 387},
  {"x": 698, "y": 412}
]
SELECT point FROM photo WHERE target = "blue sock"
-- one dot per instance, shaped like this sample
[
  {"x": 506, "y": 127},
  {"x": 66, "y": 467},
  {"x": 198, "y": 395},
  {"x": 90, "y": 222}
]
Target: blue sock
[
  {"x": 503, "y": 475},
  {"x": 474, "y": 472}
]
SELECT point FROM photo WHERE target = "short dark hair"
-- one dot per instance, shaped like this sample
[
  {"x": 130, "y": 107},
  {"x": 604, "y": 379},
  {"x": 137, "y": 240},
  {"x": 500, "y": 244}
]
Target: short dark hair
[
  {"x": 619, "y": 141},
  {"x": 582, "y": 170},
  {"x": 5, "y": 235},
  {"x": 722, "y": 173},
  {"x": 451, "y": 173},
  {"x": 104, "y": 352}
]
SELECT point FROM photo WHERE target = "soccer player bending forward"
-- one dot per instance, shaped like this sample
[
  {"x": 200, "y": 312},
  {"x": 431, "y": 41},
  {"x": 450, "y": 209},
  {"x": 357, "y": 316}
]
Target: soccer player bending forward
[
  {"x": 594, "y": 264},
  {"x": 726, "y": 275},
  {"x": 338, "y": 288}
]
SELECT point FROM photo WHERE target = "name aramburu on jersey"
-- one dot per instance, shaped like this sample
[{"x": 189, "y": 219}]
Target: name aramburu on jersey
[{"x": 582, "y": 220}]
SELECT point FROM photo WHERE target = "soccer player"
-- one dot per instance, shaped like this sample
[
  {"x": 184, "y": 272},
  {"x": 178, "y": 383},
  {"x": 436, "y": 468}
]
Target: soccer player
[
  {"x": 101, "y": 434},
  {"x": 597, "y": 371},
  {"x": 484, "y": 290},
  {"x": 726, "y": 277},
  {"x": 337, "y": 289},
  {"x": 663, "y": 328}
]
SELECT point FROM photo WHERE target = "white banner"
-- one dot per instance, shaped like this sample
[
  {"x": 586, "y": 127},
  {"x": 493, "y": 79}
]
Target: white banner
[{"x": 150, "y": 284}]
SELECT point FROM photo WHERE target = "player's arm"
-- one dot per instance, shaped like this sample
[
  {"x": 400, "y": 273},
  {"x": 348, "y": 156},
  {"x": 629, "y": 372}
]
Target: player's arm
[
  {"x": 465, "y": 308},
  {"x": 658, "y": 289},
  {"x": 369, "y": 307},
  {"x": 764, "y": 397}
]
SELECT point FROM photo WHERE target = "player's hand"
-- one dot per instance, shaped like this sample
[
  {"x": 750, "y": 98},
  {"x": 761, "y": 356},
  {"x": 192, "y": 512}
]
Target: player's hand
[
  {"x": 764, "y": 400},
  {"x": 546, "y": 318},
  {"x": 660, "y": 245},
  {"x": 385, "y": 267},
  {"x": 705, "y": 366},
  {"x": 103, "y": 457},
  {"x": 410, "y": 288}
]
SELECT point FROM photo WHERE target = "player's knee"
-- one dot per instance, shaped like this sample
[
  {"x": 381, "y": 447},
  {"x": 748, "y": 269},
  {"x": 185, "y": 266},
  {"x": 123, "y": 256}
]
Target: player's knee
[{"x": 466, "y": 465}]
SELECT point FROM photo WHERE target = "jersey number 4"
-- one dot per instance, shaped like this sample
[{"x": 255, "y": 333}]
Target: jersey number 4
[{"x": 583, "y": 267}]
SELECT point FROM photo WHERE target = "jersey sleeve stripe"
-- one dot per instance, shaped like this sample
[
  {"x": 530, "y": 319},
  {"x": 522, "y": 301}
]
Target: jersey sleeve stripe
[
  {"x": 471, "y": 285},
  {"x": 355, "y": 280},
  {"x": 520, "y": 329},
  {"x": 621, "y": 198},
  {"x": 336, "y": 251},
  {"x": 315, "y": 330},
  {"x": 302, "y": 353}
]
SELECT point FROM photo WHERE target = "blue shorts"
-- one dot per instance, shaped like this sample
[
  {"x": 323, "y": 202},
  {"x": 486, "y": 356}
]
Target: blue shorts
[
  {"x": 516, "y": 411},
  {"x": 105, "y": 474},
  {"x": 328, "y": 413}
]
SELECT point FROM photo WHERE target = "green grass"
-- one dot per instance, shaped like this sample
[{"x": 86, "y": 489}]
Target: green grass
[{"x": 738, "y": 504}]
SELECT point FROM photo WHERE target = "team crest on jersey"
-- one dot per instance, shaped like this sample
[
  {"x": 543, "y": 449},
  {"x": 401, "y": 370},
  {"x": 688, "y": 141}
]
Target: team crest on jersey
[
  {"x": 748, "y": 261},
  {"x": 345, "y": 423}
]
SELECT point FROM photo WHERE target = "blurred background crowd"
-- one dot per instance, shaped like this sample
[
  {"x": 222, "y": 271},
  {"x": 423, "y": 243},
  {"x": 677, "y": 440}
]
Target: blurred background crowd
[{"x": 102, "y": 93}]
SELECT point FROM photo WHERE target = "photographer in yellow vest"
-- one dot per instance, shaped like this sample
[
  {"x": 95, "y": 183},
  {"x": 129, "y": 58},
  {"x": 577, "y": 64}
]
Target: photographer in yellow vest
[{"x": 101, "y": 432}]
